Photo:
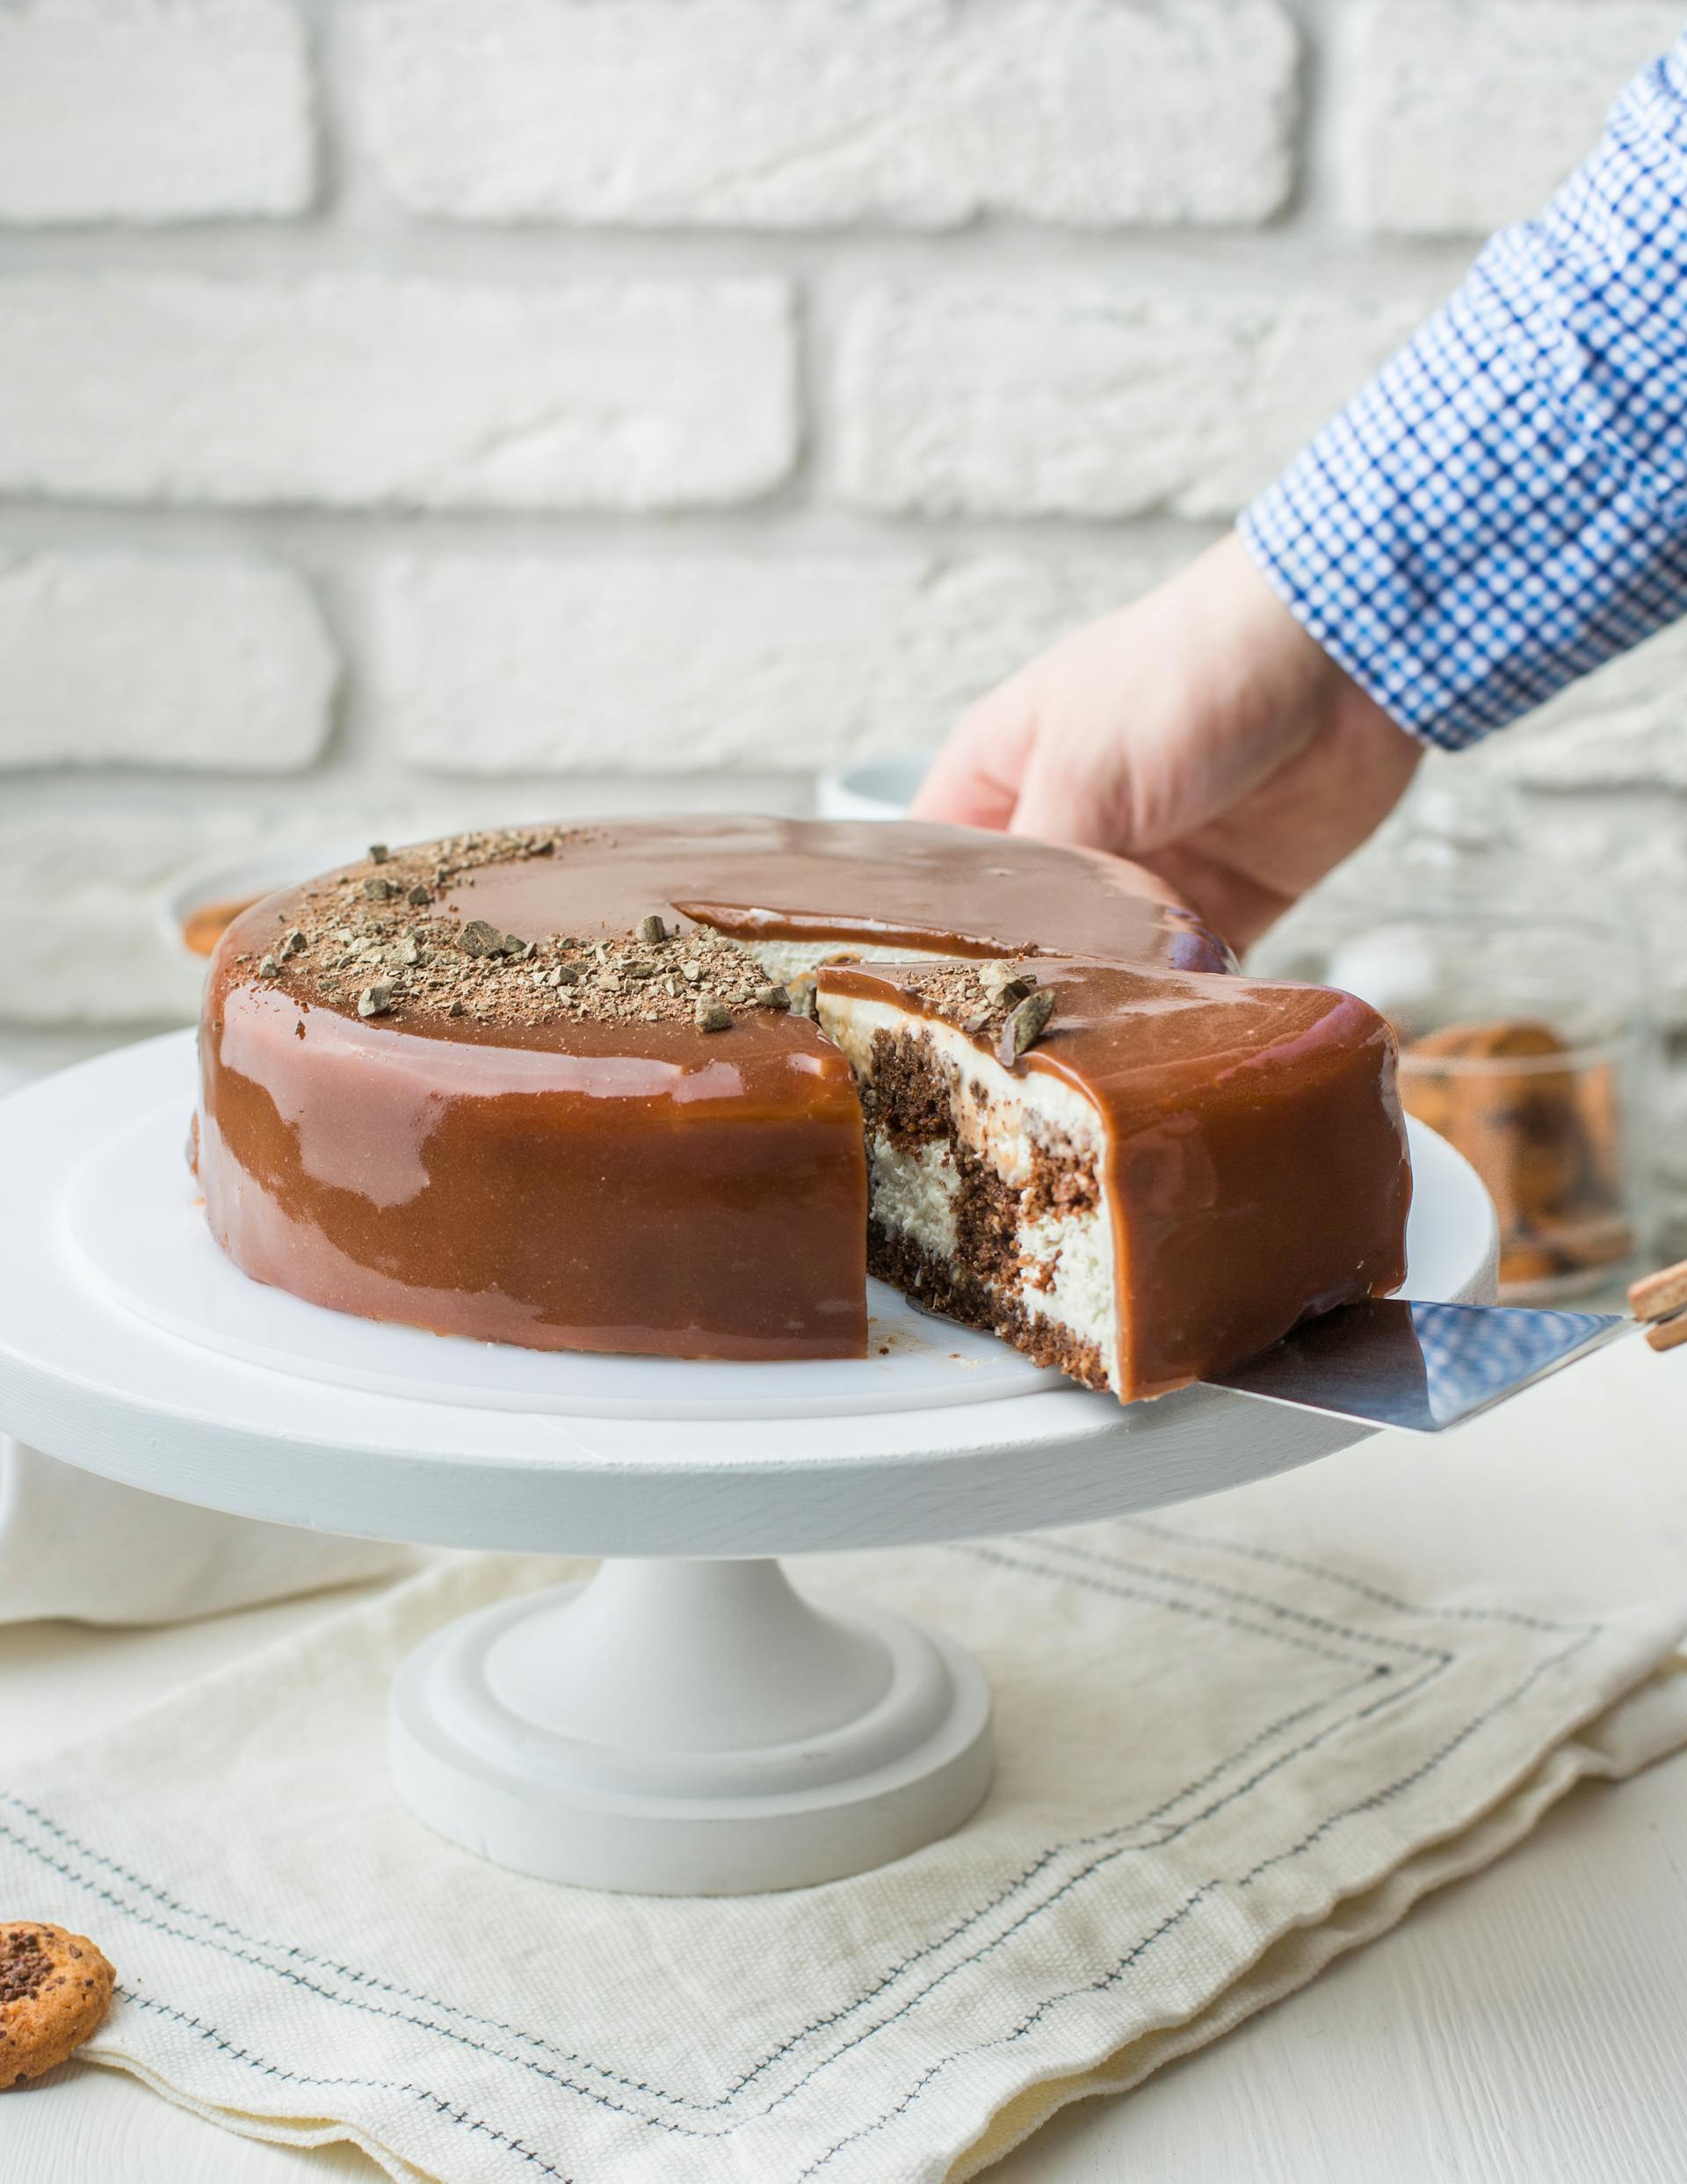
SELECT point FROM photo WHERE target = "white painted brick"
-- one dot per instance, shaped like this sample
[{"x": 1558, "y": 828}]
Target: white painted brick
[
  {"x": 1623, "y": 728},
  {"x": 1627, "y": 855},
  {"x": 153, "y": 110},
  {"x": 817, "y": 112},
  {"x": 513, "y": 663},
  {"x": 130, "y": 661},
  {"x": 363, "y": 391},
  {"x": 1460, "y": 115},
  {"x": 1080, "y": 398},
  {"x": 78, "y": 892}
]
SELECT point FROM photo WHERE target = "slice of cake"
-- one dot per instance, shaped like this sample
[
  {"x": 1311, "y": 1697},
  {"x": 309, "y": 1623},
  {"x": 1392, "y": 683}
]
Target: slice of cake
[{"x": 1138, "y": 1179}]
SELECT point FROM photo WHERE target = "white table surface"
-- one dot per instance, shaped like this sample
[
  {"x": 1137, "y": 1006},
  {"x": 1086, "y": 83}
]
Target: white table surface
[{"x": 1526, "y": 2027}]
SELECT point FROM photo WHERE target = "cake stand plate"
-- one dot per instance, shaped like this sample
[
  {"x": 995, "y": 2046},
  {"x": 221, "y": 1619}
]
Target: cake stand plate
[{"x": 687, "y": 1721}]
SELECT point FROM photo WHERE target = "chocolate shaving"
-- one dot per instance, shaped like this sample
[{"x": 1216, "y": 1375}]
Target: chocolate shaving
[{"x": 1025, "y": 1027}]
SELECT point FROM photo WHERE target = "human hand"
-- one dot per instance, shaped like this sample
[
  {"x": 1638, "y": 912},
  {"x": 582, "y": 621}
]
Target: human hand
[{"x": 1200, "y": 732}]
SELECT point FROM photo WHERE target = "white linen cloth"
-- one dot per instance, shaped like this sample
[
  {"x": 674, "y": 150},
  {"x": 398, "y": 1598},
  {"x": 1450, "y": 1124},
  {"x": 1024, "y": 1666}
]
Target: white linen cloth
[
  {"x": 1233, "y": 1742},
  {"x": 86, "y": 1549}
]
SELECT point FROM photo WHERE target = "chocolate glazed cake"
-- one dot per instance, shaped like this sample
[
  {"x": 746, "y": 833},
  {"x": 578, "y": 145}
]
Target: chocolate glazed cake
[{"x": 605, "y": 1088}]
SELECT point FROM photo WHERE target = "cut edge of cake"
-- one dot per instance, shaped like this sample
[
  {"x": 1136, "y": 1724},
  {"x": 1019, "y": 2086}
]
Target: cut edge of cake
[{"x": 988, "y": 1197}]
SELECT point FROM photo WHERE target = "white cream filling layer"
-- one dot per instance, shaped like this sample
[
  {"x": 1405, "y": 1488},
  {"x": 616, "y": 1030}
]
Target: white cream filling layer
[
  {"x": 1000, "y": 1117},
  {"x": 1076, "y": 1252},
  {"x": 785, "y": 959},
  {"x": 914, "y": 1192}
]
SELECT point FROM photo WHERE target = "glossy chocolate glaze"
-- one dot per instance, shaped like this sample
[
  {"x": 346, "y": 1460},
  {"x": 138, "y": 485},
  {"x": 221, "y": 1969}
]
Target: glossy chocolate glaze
[
  {"x": 1257, "y": 1163},
  {"x": 707, "y": 1204},
  {"x": 569, "y": 1177},
  {"x": 952, "y": 889}
]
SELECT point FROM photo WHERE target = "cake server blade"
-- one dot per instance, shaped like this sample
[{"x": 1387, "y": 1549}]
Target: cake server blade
[{"x": 1389, "y": 1362}]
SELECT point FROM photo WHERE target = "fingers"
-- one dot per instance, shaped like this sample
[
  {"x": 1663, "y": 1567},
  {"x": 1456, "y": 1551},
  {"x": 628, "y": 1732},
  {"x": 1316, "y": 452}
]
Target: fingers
[
  {"x": 1069, "y": 794},
  {"x": 1046, "y": 752},
  {"x": 1238, "y": 907},
  {"x": 974, "y": 778}
]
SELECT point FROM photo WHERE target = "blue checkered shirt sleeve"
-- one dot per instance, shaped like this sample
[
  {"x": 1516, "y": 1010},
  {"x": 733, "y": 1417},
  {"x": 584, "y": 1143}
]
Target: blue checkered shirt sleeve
[{"x": 1504, "y": 506}]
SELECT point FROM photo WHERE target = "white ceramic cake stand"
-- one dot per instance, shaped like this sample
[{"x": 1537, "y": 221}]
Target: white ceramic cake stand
[{"x": 687, "y": 1721}]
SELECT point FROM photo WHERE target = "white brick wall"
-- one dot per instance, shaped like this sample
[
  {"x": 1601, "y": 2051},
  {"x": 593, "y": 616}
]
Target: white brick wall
[
  {"x": 75, "y": 901},
  {"x": 413, "y": 410},
  {"x": 1459, "y": 117},
  {"x": 134, "y": 111},
  {"x": 1082, "y": 398},
  {"x": 118, "y": 659},
  {"x": 794, "y": 114},
  {"x": 497, "y": 665},
  {"x": 360, "y": 390}
]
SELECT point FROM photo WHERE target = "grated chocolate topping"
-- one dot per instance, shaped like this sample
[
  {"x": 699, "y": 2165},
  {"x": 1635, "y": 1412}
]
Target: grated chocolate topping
[
  {"x": 1001, "y": 1002},
  {"x": 382, "y": 941}
]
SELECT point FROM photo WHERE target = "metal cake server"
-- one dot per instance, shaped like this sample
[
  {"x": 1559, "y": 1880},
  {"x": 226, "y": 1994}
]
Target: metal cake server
[{"x": 1389, "y": 1362}]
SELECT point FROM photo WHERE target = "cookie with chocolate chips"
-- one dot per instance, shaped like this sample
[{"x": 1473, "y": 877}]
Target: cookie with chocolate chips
[{"x": 55, "y": 1988}]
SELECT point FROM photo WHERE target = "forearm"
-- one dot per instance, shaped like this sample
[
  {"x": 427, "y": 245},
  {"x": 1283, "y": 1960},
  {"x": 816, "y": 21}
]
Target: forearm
[{"x": 1505, "y": 505}]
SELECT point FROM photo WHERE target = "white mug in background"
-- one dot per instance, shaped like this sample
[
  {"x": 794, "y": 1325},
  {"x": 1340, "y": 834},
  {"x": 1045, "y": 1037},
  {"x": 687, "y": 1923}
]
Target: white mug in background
[
  {"x": 872, "y": 788},
  {"x": 193, "y": 908}
]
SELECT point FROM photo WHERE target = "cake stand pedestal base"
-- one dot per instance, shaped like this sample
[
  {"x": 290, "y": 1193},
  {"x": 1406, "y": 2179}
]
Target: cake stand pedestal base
[{"x": 680, "y": 1727}]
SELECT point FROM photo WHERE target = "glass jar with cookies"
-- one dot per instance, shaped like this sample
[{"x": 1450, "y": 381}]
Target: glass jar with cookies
[{"x": 1519, "y": 994}]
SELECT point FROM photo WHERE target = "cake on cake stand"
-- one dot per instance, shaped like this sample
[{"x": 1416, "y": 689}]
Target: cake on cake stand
[{"x": 688, "y": 1720}]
